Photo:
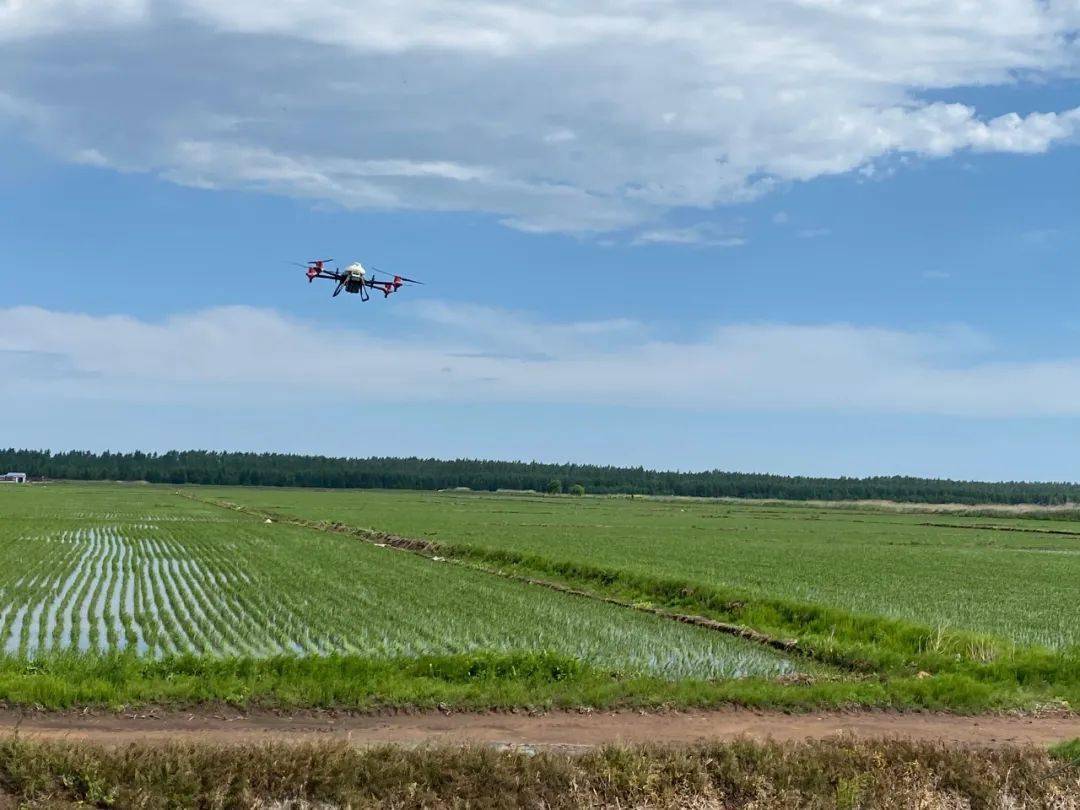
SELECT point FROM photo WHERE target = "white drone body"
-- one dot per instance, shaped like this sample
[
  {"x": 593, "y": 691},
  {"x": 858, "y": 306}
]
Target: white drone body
[{"x": 354, "y": 279}]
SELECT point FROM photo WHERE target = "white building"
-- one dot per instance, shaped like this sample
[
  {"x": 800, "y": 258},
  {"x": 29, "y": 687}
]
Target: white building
[{"x": 13, "y": 478}]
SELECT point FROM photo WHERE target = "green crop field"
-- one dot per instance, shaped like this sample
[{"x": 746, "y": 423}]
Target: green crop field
[
  {"x": 978, "y": 574},
  {"x": 115, "y": 593},
  {"x": 106, "y": 568}
]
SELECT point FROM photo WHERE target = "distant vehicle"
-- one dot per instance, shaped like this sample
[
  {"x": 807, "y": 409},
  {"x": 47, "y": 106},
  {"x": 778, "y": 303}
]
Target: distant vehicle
[{"x": 354, "y": 279}]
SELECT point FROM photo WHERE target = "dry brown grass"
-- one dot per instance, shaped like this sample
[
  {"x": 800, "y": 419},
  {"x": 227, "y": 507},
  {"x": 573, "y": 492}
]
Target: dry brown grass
[
  {"x": 909, "y": 507},
  {"x": 832, "y": 774}
]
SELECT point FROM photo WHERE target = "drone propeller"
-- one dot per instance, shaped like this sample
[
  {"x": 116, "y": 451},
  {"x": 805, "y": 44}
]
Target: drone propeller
[
  {"x": 312, "y": 265},
  {"x": 399, "y": 278}
]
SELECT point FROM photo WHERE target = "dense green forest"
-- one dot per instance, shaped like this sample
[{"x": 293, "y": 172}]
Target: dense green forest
[{"x": 279, "y": 470}]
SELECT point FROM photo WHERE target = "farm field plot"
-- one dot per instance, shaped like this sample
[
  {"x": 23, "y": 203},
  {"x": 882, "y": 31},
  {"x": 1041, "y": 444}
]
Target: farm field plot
[
  {"x": 99, "y": 568},
  {"x": 1017, "y": 579}
]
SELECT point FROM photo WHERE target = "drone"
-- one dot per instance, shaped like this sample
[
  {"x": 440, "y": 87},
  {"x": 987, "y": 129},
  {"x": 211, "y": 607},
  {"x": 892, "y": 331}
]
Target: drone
[{"x": 354, "y": 279}]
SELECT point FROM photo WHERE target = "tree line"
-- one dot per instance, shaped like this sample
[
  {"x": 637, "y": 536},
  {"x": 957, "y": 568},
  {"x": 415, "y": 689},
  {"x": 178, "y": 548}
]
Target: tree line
[{"x": 284, "y": 470}]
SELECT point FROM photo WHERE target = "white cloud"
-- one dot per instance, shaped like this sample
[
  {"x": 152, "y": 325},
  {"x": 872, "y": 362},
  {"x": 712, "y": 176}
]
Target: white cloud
[
  {"x": 552, "y": 116},
  {"x": 516, "y": 334},
  {"x": 28, "y": 18},
  {"x": 812, "y": 233},
  {"x": 561, "y": 135},
  {"x": 473, "y": 354},
  {"x": 1040, "y": 236},
  {"x": 703, "y": 233}
]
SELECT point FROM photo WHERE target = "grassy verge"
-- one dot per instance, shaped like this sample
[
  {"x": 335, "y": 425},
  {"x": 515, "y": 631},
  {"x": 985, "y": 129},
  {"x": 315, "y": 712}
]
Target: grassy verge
[
  {"x": 482, "y": 681},
  {"x": 1067, "y": 752},
  {"x": 891, "y": 662},
  {"x": 834, "y": 774}
]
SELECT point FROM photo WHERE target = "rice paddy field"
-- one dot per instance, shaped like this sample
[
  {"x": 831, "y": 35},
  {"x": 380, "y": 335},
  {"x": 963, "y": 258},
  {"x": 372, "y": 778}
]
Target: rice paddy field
[
  {"x": 1013, "y": 578},
  {"x": 127, "y": 592},
  {"x": 102, "y": 569}
]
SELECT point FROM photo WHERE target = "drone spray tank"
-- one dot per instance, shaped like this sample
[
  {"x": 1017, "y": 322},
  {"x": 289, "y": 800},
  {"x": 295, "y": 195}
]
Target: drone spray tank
[{"x": 354, "y": 277}]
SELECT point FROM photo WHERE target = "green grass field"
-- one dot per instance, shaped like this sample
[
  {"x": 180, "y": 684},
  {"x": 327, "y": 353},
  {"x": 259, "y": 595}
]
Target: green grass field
[
  {"x": 138, "y": 594},
  {"x": 1023, "y": 586}
]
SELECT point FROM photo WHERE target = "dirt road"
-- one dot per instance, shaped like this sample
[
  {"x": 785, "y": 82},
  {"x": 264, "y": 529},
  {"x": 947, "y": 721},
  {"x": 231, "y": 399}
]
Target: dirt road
[{"x": 556, "y": 730}]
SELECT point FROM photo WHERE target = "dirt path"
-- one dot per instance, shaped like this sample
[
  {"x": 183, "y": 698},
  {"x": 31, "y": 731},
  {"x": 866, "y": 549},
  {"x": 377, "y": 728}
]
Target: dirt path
[{"x": 557, "y": 730}]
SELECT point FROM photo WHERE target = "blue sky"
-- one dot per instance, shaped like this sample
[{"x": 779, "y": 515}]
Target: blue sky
[{"x": 787, "y": 236}]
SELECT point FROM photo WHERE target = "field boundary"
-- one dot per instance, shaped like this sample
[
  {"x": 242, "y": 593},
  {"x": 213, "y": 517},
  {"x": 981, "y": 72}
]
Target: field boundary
[{"x": 998, "y": 528}]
